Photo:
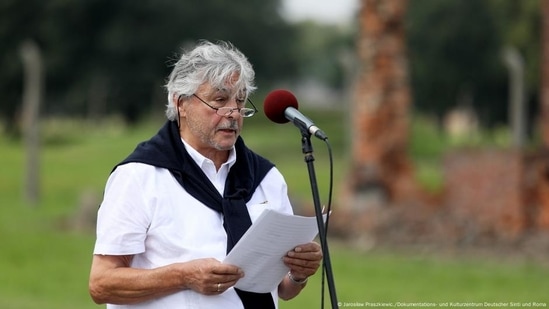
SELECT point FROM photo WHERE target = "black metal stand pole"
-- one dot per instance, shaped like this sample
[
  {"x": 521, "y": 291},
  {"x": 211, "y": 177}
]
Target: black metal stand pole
[{"x": 307, "y": 149}]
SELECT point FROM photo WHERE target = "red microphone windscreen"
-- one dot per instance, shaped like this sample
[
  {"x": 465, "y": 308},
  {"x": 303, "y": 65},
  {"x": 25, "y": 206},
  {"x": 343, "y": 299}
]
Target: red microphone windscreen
[{"x": 276, "y": 103}]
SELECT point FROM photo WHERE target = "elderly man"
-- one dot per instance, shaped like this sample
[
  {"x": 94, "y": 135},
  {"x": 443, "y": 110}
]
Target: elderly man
[{"x": 175, "y": 207}]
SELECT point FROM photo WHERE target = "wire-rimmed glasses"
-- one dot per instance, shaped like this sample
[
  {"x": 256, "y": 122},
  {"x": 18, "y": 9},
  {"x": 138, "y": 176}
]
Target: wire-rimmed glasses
[{"x": 227, "y": 111}]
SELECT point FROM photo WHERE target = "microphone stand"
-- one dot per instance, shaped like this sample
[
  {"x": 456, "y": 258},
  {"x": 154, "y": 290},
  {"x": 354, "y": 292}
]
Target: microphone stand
[{"x": 307, "y": 149}]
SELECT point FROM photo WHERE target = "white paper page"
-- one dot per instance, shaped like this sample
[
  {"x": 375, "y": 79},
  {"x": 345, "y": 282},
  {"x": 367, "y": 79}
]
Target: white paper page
[{"x": 260, "y": 250}]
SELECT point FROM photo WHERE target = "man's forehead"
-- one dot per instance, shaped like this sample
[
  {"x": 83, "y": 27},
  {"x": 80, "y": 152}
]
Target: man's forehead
[
  {"x": 231, "y": 90},
  {"x": 231, "y": 85},
  {"x": 226, "y": 90}
]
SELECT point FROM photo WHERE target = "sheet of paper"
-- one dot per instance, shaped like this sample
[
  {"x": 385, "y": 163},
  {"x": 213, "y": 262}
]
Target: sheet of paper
[{"x": 260, "y": 250}]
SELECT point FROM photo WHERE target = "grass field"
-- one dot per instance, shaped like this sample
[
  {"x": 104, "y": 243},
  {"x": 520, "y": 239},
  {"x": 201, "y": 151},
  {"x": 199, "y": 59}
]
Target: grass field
[{"x": 44, "y": 264}]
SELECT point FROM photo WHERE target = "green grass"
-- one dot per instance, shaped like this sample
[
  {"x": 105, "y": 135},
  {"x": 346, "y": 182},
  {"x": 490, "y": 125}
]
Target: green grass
[
  {"x": 45, "y": 265},
  {"x": 390, "y": 278}
]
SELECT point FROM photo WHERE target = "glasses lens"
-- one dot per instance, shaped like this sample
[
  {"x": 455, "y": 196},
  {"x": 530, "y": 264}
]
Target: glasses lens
[
  {"x": 225, "y": 111},
  {"x": 247, "y": 112}
]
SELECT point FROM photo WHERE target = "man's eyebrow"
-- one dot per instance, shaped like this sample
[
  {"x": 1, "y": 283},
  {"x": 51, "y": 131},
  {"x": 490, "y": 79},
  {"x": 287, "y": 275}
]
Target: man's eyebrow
[{"x": 223, "y": 90}]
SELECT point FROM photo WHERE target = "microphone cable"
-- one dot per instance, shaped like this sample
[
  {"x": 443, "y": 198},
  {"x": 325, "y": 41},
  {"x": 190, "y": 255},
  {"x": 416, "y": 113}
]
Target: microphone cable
[{"x": 328, "y": 212}]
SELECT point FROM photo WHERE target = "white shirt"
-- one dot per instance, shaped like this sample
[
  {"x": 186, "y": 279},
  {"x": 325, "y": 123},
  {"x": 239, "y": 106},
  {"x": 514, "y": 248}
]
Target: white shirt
[{"x": 146, "y": 213}]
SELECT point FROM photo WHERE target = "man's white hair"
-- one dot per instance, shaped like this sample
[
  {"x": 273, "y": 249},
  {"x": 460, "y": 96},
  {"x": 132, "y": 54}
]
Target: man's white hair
[{"x": 211, "y": 63}]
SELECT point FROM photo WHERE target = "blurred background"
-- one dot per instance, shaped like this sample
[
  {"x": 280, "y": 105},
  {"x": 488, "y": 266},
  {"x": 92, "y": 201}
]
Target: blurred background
[{"x": 437, "y": 112}]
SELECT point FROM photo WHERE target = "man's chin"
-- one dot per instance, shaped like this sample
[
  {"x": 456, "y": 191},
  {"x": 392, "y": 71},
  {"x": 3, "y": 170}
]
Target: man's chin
[{"x": 225, "y": 145}]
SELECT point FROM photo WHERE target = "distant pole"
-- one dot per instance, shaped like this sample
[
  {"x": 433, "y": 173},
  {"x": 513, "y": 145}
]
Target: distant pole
[
  {"x": 32, "y": 93},
  {"x": 517, "y": 115}
]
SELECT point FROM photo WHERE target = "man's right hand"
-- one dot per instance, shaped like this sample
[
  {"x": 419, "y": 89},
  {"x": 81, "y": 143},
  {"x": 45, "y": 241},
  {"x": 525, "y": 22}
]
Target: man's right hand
[{"x": 209, "y": 276}]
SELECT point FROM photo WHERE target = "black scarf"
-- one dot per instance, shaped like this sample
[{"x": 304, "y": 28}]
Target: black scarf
[{"x": 166, "y": 150}]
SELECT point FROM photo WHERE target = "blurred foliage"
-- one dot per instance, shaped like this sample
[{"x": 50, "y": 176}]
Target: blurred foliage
[
  {"x": 325, "y": 53},
  {"x": 519, "y": 22},
  {"x": 455, "y": 54},
  {"x": 112, "y": 57}
]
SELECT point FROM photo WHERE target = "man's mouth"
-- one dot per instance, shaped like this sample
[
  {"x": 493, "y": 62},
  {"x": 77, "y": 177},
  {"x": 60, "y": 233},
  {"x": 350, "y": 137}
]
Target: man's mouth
[{"x": 228, "y": 130}]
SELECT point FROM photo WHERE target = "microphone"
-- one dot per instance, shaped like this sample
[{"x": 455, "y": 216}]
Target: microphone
[{"x": 280, "y": 106}]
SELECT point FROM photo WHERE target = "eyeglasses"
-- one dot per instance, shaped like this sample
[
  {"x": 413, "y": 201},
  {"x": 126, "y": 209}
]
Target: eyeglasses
[{"x": 227, "y": 111}]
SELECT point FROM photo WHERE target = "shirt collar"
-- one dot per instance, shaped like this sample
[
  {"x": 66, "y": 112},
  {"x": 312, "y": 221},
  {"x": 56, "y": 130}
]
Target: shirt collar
[{"x": 202, "y": 160}]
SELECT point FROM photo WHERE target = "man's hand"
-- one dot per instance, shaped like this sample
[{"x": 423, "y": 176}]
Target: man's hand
[
  {"x": 211, "y": 277},
  {"x": 113, "y": 281},
  {"x": 303, "y": 260}
]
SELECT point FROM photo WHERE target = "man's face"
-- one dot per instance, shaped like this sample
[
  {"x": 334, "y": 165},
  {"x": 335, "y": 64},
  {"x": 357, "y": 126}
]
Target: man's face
[{"x": 203, "y": 127}]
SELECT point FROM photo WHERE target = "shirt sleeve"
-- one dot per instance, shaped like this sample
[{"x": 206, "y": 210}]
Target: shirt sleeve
[{"x": 122, "y": 219}]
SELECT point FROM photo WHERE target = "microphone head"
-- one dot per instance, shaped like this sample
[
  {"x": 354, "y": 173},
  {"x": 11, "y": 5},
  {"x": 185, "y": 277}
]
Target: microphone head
[{"x": 275, "y": 105}]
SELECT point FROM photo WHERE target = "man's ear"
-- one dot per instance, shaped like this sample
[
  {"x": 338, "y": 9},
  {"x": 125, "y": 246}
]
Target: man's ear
[
  {"x": 179, "y": 102},
  {"x": 176, "y": 100}
]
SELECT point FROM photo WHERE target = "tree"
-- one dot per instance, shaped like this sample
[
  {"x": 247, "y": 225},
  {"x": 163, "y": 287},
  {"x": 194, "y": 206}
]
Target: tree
[
  {"x": 455, "y": 48},
  {"x": 113, "y": 56},
  {"x": 544, "y": 106},
  {"x": 14, "y": 29},
  {"x": 323, "y": 51}
]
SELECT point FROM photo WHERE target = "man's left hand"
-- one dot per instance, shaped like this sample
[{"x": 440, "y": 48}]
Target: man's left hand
[{"x": 304, "y": 260}]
